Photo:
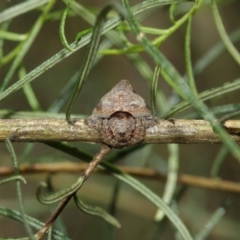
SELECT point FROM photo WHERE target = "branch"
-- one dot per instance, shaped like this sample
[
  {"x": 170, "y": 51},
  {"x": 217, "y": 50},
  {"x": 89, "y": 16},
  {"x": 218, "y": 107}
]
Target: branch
[
  {"x": 165, "y": 131},
  {"x": 64, "y": 201},
  {"x": 186, "y": 179}
]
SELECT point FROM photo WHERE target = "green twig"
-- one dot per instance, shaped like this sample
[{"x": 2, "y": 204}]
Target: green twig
[
  {"x": 214, "y": 219},
  {"x": 218, "y": 161},
  {"x": 142, "y": 189},
  {"x": 12, "y": 36},
  {"x": 14, "y": 178},
  {"x": 171, "y": 184},
  {"x": 188, "y": 62},
  {"x": 29, "y": 93},
  {"x": 91, "y": 53},
  {"x": 19, "y": 191},
  {"x": 223, "y": 34},
  {"x": 62, "y": 27},
  {"x": 111, "y": 24},
  {"x": 69, "y": 193},
  {"x": 206, "y": 95},
  {"x": 154, "y": 90},
  {"x": 26, "y": 45},
  {"x": 36, "y": 224},
  {"x": 20, "y": 8},
  {"x": 96, "y": 211}
]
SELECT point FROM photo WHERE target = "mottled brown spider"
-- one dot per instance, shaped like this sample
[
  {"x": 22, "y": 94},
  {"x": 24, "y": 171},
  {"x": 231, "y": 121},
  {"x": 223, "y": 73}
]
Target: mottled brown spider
[{"x": 121, "y": 117}]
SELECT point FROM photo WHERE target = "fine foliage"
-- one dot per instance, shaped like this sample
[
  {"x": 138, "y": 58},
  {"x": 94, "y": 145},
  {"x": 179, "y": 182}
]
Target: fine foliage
[{"x": 180, "y": 55}]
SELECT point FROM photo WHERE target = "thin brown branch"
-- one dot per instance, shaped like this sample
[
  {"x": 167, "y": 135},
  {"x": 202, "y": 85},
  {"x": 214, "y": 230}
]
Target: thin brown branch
[
  {"x": 186, "y": 179},
  {"x": 96, "y": 160},
  {"x": 176, "y": 131},
  {"x": 62, "y": 204},
  {"x": 53, "y": 216}
]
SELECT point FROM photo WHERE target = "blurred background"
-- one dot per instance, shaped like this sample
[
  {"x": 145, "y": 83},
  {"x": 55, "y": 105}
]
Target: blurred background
[{"x": 135, "y": 213}]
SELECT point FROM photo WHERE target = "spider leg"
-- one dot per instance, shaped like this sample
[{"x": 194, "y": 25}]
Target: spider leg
[
  {"x": 139, "y": 132},
  {"x": 149, "y": 121}
]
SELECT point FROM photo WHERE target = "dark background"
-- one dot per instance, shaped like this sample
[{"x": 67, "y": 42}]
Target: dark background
[{"x": 133, "y": 211}]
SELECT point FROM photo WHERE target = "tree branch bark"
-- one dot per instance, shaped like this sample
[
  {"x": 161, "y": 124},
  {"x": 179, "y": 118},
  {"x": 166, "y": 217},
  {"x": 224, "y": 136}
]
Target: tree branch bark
[
  {"x": 165, "y": 131},
  {"x": 186, "y": 179}
]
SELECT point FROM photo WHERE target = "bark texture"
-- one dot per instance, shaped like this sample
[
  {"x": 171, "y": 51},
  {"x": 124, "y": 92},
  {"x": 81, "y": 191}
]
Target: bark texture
[{"x": 165, "y": 131}]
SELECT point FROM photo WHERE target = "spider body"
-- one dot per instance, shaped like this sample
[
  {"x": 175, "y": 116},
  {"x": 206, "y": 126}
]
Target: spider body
[{"x": 121, "y": 117}]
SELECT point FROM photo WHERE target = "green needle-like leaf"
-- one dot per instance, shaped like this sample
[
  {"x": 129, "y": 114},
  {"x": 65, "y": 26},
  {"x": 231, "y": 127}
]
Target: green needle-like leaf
[
  {"x": 96, "y": 211},
  {"x": 91, "y": 53},
  {"x": 19, "y": 191}
]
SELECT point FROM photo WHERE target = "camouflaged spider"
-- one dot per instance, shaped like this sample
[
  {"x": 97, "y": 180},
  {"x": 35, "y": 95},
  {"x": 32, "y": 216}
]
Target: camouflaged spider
[{"x": 121, "y": 117}]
